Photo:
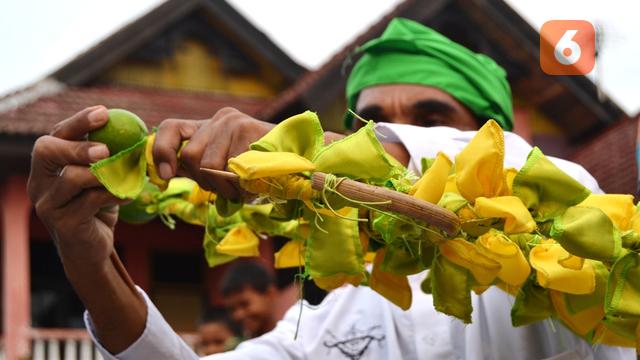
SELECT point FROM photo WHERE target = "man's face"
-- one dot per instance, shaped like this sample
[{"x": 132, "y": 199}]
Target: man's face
[
  {"x": 252, "y": 309},
  {"x": 415, "y": 105}
]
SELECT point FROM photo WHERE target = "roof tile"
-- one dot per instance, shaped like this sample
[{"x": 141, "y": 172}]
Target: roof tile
[{"x": 152, "y": 105}]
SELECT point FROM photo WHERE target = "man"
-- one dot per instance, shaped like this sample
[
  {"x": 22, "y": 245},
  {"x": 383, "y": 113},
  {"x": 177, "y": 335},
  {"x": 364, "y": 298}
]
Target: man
[
  {"x": 250, "y": 296},
  {"x": 410, "y": 76}
]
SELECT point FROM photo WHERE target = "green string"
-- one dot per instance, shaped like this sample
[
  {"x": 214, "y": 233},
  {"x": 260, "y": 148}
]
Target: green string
[{"x": 363, "y": 120}]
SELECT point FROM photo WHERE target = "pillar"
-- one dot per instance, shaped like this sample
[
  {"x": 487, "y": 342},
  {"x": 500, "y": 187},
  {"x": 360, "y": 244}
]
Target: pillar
[{"x": 16, "y": 296}]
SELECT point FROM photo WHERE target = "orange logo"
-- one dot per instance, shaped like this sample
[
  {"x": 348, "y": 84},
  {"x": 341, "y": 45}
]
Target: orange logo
[{"x": 567, "y": 47}]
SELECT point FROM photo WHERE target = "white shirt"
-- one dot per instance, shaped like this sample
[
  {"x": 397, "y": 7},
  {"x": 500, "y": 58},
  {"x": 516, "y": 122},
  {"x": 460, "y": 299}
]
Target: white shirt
[{"x": 357, "y": 323}]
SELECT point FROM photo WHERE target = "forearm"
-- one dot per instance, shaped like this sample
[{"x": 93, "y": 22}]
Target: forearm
[{"x": 117, "y": 310}]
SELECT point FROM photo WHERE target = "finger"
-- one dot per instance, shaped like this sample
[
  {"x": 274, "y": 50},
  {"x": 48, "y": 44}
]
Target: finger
[
  {"x": 80, "y": 124},
  {"x": 214, "y": 139},
  {"x": 51, "y": 154},
  {"x": 71, "y": 182},
  {"x": 217, "y": 160},
  {"x": 170, "y": 135},
  {"x": 109, "y": 216},
  {"x": 91, "y": 201}
]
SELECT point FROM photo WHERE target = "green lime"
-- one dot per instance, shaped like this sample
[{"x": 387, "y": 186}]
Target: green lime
[
  {"x": 123, "y": 130},
  {"x": 136, "y": 211}
]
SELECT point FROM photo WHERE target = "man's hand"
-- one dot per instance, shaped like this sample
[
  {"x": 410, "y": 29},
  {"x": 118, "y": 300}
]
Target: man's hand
[
  {"x": 211, "y": 143},
  {"x": 79, "y": 213},
  {"x": 80, "y": 216}
]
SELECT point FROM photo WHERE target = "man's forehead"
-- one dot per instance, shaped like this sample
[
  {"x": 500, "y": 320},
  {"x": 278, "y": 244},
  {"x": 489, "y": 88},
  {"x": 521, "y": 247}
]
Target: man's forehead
[{"x": 380, "y": 95}]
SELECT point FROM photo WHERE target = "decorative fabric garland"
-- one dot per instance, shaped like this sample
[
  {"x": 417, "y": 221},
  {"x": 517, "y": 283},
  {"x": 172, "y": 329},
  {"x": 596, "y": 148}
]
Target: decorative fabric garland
[{"x": 536, "y": 233}]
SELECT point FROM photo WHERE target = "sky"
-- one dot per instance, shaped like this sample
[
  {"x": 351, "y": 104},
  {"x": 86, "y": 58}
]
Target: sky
[{"x": 39, "y": 36}]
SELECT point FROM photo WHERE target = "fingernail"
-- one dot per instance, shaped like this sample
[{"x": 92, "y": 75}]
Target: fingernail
[
  {"x": 165, "y": 171},
  {"x": 98, "y": 116},
  {"x": 98, "y": 152}
]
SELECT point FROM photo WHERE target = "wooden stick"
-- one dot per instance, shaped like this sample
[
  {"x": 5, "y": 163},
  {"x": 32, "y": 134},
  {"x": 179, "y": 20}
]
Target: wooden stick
[
  {"x": 396, "y": 201},
  {"x": 219, "y": 173}
]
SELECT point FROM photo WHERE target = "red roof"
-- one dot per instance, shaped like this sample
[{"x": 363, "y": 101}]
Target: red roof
[
  {"x": 611, "y": 157},
  {"x": 152, "y": 105}
]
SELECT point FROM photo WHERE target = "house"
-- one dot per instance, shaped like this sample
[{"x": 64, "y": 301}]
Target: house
[{"x": 183, "y": 59}]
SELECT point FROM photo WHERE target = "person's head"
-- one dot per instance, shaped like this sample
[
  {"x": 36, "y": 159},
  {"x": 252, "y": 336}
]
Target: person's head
[
  {"x": 249, "y": 293},
  {"x": 216, "y": 333},
  {"x": 414, "y": 75}
]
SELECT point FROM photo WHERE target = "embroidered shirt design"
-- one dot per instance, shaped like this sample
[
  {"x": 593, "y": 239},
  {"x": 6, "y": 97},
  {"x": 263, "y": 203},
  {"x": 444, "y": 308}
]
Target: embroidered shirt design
[{"x": 355, "y": 343}]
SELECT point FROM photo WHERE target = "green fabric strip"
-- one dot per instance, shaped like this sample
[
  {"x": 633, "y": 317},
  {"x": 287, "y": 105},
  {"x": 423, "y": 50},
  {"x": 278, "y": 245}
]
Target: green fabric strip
[
  {"x": 622, "y": 327},
  {"x": 215, "y": 230},
  {"x": 545, "y": 189},
  {"x": 357, "y": 156},
  {"x": 578, "y": 303},
  {"x": 451, "y": 289},
  {"x": 403, "y": 261},
  {"x": 258, "y": 218},
  {"x": 532, "y": 304},
  {"x": 622, "y": 298},
  {"x": 587, "y": 232},
  {"x": 335, "y": 247},
  {"x": 123, "y": 174},
  {"x": 300, "y": 134}
]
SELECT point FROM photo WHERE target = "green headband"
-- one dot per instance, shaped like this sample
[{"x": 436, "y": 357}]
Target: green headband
[{"x": 410, "y": 53}]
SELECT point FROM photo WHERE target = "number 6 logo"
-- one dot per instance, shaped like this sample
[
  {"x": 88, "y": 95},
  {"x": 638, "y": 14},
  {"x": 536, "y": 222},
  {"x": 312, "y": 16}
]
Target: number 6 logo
[{"x": 567, "y": 47}]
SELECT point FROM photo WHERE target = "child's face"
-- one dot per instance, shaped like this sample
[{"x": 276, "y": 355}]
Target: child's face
[
  {"x": 213, "y": 337},
  {"x": 252, "y": 310}
]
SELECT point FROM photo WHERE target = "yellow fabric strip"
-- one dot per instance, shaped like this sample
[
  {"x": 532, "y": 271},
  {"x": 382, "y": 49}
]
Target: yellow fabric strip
[
  {"x": 479, "y": 166},
  {"x": 550, "y": 274},
  {"x": 619, "y": 208},
  {"x": 465, "y": 254},
  {"x": 516, "y": 215},
  {"x": 286, "y": 187},
  {"x": 431, "y": 185},
  {"x": 514, "y": 269},
  {"x": 509, "y": 176},
  {"x": 394, "y": 288},
  {"x": 254, "y": 164},
  {"x": 290, "y": 255},
  {"x": 604, "y": 335},
  {"x": 582, "y": 322},
  {"x": 239, "y": 241},
  {"x": 152, "y": 172}
]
